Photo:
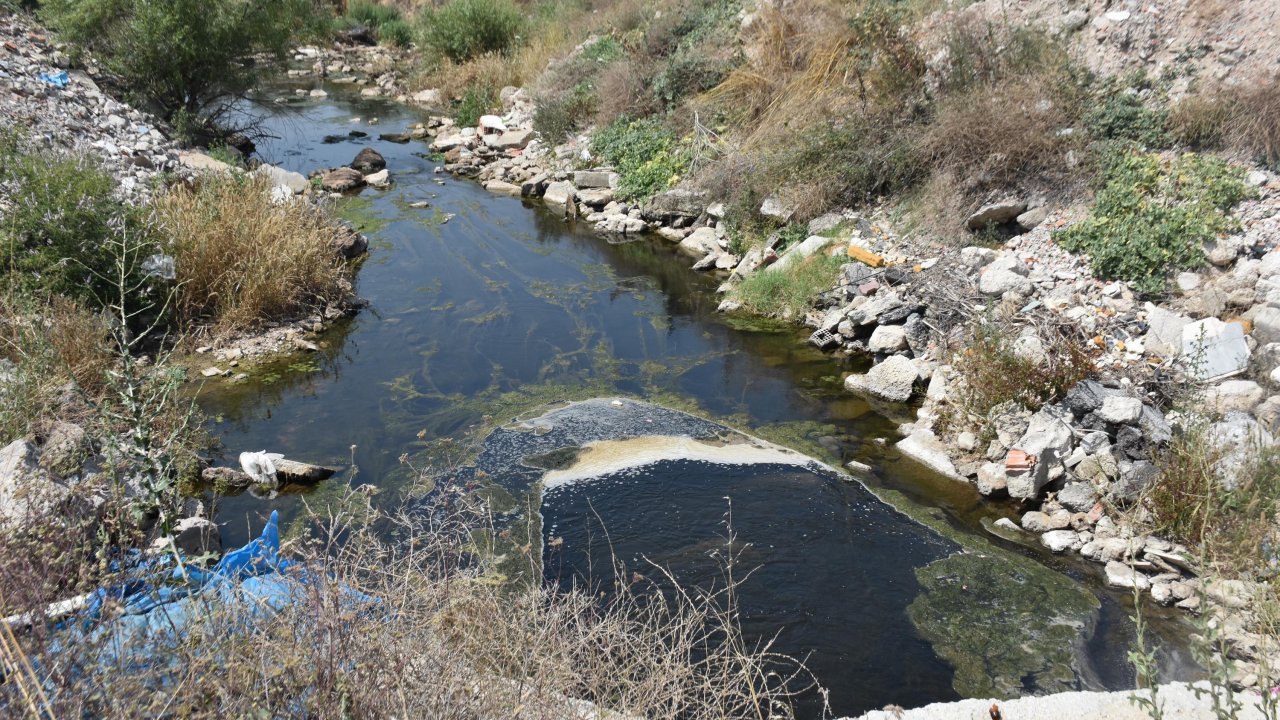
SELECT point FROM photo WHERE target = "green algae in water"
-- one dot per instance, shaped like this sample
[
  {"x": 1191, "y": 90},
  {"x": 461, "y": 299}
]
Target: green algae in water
[{"x": 1007, "y": 625}]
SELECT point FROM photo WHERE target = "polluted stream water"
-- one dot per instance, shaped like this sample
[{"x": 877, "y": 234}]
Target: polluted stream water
[{"x": 644, "y": 427}]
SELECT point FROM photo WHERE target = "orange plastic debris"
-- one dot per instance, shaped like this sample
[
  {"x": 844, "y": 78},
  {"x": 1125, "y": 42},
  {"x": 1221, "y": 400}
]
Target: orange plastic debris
[
  {"x": 866, "y": 257},
  {"x": 1019, "y": 461}
]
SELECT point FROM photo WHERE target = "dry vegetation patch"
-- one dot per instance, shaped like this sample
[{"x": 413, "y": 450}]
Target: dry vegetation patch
[{"x": 244, "y": 260}]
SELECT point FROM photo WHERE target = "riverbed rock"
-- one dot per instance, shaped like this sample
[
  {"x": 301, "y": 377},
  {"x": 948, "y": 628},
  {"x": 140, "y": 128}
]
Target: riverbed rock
[
  {"x": 887, "y": 339},
  {"x": 368, "y": 161},
  {"x": 676, "y": 206},
  {"x": 701, "y": 242},
  {"x": 560, "y": 194},
  {"x": 1078, "y": 496},
  {"x": 1120, "y": 575},
  {"x": 1164, "y": 331},
  {"x": 1005, "y": 274},
  {"x": 925, "y": 448},
  {"x": 513, "y": 139},
  {"x": 1234, "y": 395},
  {"x": 342, "y": 180},
  {"x": 202, "y": 163},
  {"x": 1059, "y": 541},
  {"x": 292, "y": 471},
  {"x": 502, "y": 188},
  {"x": 992, "y": 479},
  {"x": 894, "y": 379},
  {"x": 349, "y": 244},
  {"x": 196, "y": 536},
  {"x": 380, "y": 179}
]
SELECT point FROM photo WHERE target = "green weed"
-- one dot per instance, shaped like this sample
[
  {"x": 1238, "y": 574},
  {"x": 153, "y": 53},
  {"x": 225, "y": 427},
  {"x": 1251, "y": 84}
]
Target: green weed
[
  {"x": 646, "y": 153},
  {"x": 464, "y": 29},
  {"x": 788, "y": 292},
  {"x": 1153, "y": 216}
]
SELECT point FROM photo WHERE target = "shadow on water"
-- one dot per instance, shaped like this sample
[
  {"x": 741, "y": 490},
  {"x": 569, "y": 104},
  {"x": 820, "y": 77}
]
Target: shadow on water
[{"x": 486, "y": 306}]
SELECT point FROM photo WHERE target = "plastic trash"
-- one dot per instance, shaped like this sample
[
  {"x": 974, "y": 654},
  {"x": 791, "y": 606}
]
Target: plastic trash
[
  {"x": 261, "y": 466},
  {"x": 57, "y": 79},
  {"x": 161, "y": 266}
]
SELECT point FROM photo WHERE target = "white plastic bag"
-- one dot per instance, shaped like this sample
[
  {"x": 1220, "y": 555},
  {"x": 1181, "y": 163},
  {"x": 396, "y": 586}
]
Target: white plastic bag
[{"x": 261, "y": 466}]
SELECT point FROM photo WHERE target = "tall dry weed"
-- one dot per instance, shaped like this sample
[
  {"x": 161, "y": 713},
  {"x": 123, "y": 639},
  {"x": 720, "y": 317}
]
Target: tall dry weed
[{"x": 244, "y": 261}]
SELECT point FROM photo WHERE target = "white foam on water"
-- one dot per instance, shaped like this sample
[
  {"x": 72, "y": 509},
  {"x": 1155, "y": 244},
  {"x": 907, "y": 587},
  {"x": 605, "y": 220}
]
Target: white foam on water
[{"x": 606, "y": 457}]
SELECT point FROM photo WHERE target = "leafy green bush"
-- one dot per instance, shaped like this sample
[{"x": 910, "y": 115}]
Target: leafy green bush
[
  {"x": 1153, "y": 216},
  {"x": 645, "y": 152},
  {"x": 396, "y": 32},
  {"x": 372, "y": 15},
  {"x": 55, "y": 237},
  {"x": 464, "y": 29},
  {"x": 605, "y": 50},
  {"x": 476, "y": 101},
  {"x": 186, "y": 57},
  {"x": 1120, "y": 112}
]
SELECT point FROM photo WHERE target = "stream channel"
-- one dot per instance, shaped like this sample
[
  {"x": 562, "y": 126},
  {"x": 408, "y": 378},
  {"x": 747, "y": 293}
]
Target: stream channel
[{"x": 889, "y": 586}]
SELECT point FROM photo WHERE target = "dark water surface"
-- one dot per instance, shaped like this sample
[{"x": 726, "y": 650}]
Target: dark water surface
[{"x": 504, "y": 305}]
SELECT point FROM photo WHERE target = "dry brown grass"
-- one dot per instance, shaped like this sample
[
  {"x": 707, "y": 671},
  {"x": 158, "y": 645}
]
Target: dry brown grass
[
  {"x": 1242, "y": 119},
  {"x": 622, "y": 89},
  {"x": 243, "y": 261},
  {"x": 443, "y": 639}
]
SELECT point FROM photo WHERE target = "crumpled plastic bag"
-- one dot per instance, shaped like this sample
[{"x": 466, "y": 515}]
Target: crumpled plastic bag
[
  {"x": 57, "y": 79},
  {"x": 261, "y": 466},
  {"x": 161, "y": 266}
]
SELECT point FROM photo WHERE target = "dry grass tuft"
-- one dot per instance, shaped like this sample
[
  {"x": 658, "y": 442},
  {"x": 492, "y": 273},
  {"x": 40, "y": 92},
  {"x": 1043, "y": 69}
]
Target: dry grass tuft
[
  {"x": 243, "y": 261},
  {"x": 1243, "y": 119}
]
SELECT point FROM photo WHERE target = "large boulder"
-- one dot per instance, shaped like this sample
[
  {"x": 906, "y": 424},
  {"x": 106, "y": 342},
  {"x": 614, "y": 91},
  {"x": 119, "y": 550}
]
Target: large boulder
[
  {"x": 294, "y": 182},
  {"x": 560, "y": 194},
  {"x": 1212, "y": 348},
  {"x": 1006, "y": 274},
  {"x": 996, "y": 213},
  {"x": 368, "y": 161},
  {"x": 26, "y": 489},
  {"x": 701, "y": 242},
  {"x": 65, "y": 449},
  {"x": 676, "y": 205},
  {"x": 342, "y": 180},
  {"x": 512, "y": 140},
  {"x": 893, "y": 380},
  {"x": 887, "y": 339}
]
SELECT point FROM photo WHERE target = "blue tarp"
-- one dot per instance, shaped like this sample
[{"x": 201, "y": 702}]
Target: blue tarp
[{"x": 56, "y": 79}]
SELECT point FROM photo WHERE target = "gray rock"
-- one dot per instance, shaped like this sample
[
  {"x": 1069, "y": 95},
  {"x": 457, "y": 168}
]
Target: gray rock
[
  {"x": 675, "y": 205},
  {"x": 368, "y": 161},
  {"x": 976, "y": 257},
  {"x": 925, "y": 448},
  {"x": 195, "y": 536},
  {"x": 342, "y": 180},
  {"x": 1234, "y": 395},
  {"x": 995, "y": 213},
  {"x": 810, "y": 246},
  {"x": 774, "y": 208},
  {"x": 26, "y": 489},
  {"x": 1086, "y": 396},
  {"x": 1120, "y": 410},
  {"x": 1237, "y": 439},
  {"x": 595, "y": 197},
  {"x": 382, "y": 179},
  {"x": 1266, "y": 323},
  {"x": 1212, "y": 348},
  {"x": 499, "y": 187},
  {"x": 1009, "y": 421},
  {"x": 65, "y": 449},
  {"x": 1030, "y": 219},
  {"x": 1155, "y": 428},
  {"x": 560, "y": 194},
  {"x": 894, "y": 379},
  {"x": 605, "y": 179},
  {"x": 513, "y": 139},
  {"x": 1005, "y": 274},
  {"x": 1164, "y": 333},
  {"x": 1133, "y": 482},
  {"x": 701, "y": 242},
  {"x": 887, "y": 339},
  {"x": 1078, "y": 497}
]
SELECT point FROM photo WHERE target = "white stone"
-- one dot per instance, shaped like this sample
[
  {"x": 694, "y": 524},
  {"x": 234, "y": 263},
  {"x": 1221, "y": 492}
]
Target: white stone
[
  {"x": 1243, "y": 395},
  {"x": 893, "y": 379},
  {"x": 380, "y": 179},
  {"x": 560, "y": 194},
  {"x": 1120, "y": 410},
  {"x": 887, "y": 339},
  {"x": 1212, "y": 348},
  {"x": 1164, "y": 334},
  {"x": 1059, "y": 541},
  {"x": 1122, "y": 576},
  {"x": 925, "y": 448},
  {"x": 811, "y": 245},
  {"x": 772, "y": 207},
  {"x": 279, "y": 177}
]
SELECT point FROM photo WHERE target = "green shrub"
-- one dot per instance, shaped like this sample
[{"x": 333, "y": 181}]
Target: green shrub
[
  {"x": 1120, "y": 112},
  {"x": 605, "y": 50},
  {"x": 476, "y": 101},
  {"x": 1153, "y": 216},
  {"x": 183, "y": 56},
  {"x": 396, "y": 32},
  {"x": 372, "y": 15},
  {"x": 645, "y": 152},
  {"x": 56, "y": 235},
  {"x": 464, "y": 29}
]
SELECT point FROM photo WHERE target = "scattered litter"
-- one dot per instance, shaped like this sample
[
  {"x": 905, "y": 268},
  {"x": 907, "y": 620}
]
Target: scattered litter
[
  {"x": 161, "y": 266},
  {"x": 57, "y": 79},
  {"x": 261, "y": 466}
]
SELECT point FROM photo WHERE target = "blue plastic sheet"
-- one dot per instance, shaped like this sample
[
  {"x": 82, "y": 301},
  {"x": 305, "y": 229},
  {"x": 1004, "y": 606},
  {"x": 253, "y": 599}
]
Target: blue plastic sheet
[{"x": 56, "y": 79}]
